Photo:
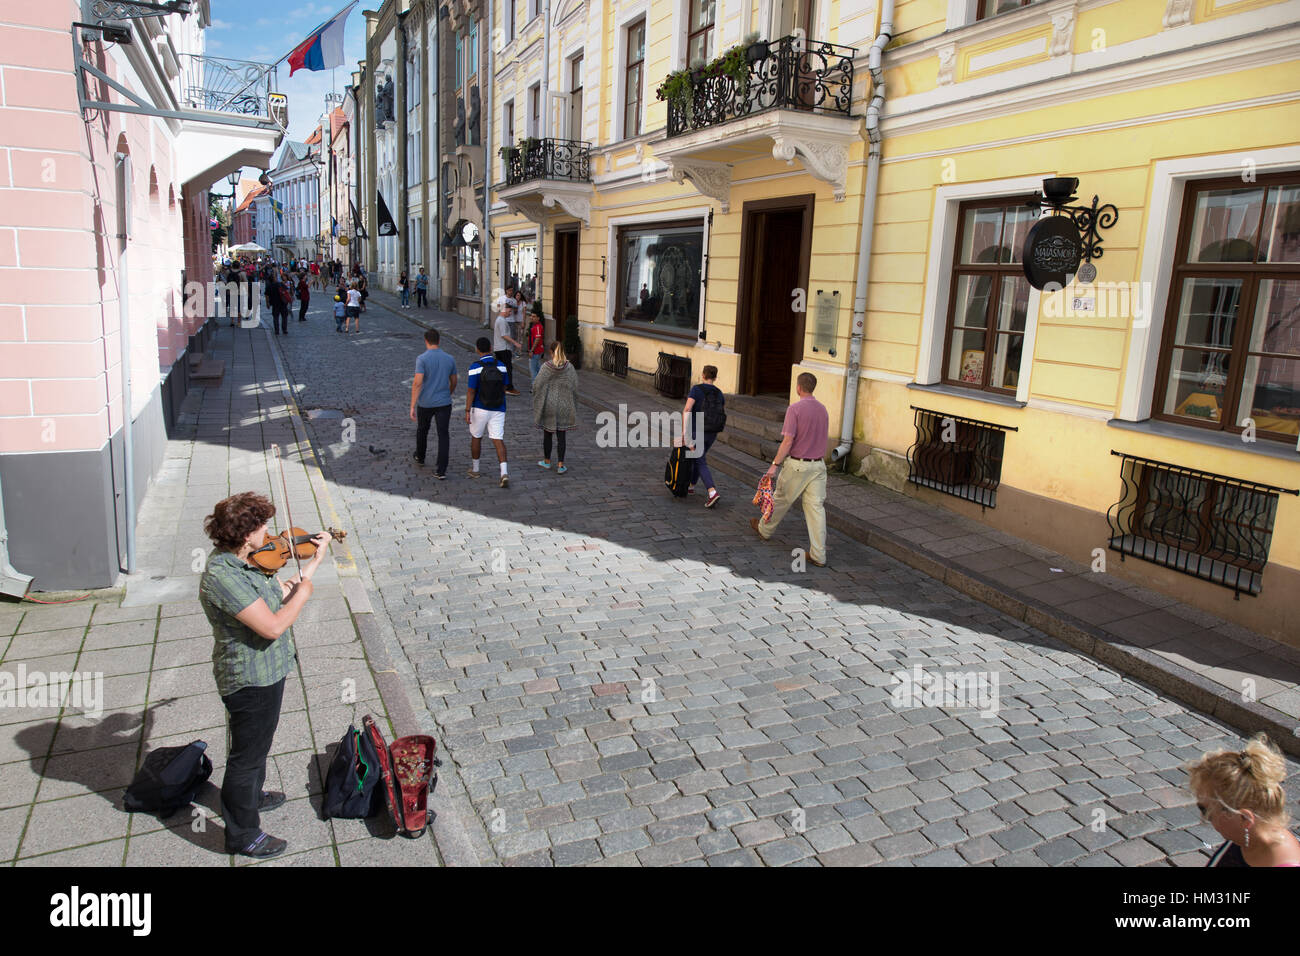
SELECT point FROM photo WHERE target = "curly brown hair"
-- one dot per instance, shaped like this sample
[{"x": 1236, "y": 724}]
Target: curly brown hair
[{"x": 233, "y": 519}]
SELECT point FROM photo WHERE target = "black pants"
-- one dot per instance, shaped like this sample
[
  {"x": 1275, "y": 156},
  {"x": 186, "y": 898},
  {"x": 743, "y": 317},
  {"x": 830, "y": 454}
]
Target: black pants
[
  {"x": 302, "y": 311},
  {"x": 420, "y": 298},
  {"x": 280, "y": 317},
  {"x": 559, "y": 445},
  {"x": 424, "y": 417},
  {"x": 507, "y": 358},
  {"x": 254, "y": 714}
]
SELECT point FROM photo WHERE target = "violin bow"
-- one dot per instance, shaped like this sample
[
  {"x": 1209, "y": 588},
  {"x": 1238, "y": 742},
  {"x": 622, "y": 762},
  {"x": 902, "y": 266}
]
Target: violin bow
[{"x": 293, "y": 548}]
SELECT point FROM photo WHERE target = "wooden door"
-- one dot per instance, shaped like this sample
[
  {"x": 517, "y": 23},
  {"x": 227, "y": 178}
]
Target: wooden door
[
  {"x": 775, "y": 254},
  {"x": 566, "y": 280}
]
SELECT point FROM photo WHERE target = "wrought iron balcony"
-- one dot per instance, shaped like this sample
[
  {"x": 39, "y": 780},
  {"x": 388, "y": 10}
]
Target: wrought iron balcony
[
  {"x": 226, "y": 86},
  {"x": 564, "y": 159},
  {"x": 1209, "y": 526},
  {"x": 791, "y": 73}
]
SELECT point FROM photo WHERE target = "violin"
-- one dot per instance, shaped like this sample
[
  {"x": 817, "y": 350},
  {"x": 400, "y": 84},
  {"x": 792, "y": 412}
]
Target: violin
[{"x": 277, "y": 551}]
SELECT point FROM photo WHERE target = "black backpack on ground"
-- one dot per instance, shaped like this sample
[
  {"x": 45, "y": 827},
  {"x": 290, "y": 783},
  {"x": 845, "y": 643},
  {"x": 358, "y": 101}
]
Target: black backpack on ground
[
  {"x": 352, "y": 783},
  {"x": 169, "y": 779},
  {"x": 490, "y": 392},
  {"x": 713, "y": 407},
  {"x": 677, "y": 473}
]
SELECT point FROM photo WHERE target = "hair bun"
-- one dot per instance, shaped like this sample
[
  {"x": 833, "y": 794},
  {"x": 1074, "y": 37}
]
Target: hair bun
[{"x": 1262, "y": 760}]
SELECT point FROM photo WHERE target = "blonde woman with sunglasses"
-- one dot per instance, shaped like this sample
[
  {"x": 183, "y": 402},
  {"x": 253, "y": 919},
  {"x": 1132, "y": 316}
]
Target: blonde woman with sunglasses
[{"x": 1239, "y": 793}]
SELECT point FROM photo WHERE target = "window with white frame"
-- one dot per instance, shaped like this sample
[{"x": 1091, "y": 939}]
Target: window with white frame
[
  {"x": 509, "y": 26},
  {"x": 633, "y": 77},
  {"x": 535, "y": 110},
  {"x": 507, "y": 133}
]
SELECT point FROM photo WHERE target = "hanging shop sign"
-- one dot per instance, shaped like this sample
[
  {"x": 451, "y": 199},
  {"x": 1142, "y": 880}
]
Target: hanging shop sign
[
  {"x": 1052, "y": 251},
  {"x": 1062, "y": 245}
]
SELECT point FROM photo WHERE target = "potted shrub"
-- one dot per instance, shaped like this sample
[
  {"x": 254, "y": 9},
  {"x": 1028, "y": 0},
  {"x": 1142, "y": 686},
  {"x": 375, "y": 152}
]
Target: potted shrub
[{"x": 572, "y": 341}]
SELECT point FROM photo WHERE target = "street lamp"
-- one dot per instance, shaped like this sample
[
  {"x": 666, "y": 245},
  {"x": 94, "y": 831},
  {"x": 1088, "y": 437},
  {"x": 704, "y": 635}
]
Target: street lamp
[{"x": 233, "y": 179}]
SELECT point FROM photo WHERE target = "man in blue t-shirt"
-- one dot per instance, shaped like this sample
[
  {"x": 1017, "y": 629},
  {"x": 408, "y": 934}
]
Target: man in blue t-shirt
[
  {"x": 485, "y": 406},
  {"x": 435, "y": 380}
]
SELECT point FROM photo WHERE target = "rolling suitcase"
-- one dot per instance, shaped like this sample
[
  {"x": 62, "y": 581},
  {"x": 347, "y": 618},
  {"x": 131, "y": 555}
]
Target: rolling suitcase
[{"x": 677, "y": 473}]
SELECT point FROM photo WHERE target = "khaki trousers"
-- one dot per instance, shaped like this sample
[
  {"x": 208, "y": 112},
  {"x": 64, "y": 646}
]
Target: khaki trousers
[{"x": 807, "y": 480}]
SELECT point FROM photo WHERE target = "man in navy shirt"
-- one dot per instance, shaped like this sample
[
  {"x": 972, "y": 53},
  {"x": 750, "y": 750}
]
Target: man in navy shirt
[
  {"x": 485, "y": 406},
  {"x": 435, "y": 380}
]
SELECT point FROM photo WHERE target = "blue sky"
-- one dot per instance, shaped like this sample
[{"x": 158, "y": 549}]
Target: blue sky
[{"x": 265, "y": 30}]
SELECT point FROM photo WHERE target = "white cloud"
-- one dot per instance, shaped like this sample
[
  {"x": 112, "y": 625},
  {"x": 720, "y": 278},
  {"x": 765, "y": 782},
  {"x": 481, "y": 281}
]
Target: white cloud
[{"x": 220, "y": 25}]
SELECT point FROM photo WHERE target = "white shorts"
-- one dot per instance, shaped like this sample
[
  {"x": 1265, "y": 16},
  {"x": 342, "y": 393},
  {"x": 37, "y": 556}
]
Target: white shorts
[{"x": 493, "y": 422}]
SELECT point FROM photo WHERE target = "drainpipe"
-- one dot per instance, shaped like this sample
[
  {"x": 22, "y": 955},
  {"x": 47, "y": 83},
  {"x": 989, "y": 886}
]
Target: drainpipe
[
  {"x": 883, "y": 36},
  {"x": 488, "y": 121},
  {"x": 125, "y": 186}
]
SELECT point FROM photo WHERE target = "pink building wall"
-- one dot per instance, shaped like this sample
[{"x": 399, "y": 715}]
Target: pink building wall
[{"x": 60, "y": 352}]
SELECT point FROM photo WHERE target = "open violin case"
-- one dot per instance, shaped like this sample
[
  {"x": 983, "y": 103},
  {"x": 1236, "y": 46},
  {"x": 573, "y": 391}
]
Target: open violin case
[{"x": 408, "y": 777}]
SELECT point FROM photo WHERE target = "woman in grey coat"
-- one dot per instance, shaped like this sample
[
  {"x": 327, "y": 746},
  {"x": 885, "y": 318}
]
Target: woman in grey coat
[{"x": 555, "y": 403}]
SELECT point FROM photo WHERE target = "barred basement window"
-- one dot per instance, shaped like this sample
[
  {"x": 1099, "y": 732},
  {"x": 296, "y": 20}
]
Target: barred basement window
[
  {"x": 958, "y": 456},
  {"x": 673, "y": 377},
  {"x": 1206, "y": 525},
  {"x": 613, "y": 358}
]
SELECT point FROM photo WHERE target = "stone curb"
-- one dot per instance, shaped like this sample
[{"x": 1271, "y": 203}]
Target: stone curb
[{"x": 1138, "y": 663}]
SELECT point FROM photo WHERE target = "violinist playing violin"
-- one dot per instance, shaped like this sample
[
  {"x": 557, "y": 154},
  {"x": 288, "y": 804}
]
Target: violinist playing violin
[{"x": 251, "y": 612}]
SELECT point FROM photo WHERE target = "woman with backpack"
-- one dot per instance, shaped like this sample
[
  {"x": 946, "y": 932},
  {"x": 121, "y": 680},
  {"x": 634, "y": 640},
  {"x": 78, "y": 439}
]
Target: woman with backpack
[
  {"x": 709, "y": 406},
  {"x": 555, "y": 404}
]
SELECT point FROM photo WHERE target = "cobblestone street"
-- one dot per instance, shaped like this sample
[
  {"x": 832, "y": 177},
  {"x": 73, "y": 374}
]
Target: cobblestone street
[{"x": 625, "y": 678}]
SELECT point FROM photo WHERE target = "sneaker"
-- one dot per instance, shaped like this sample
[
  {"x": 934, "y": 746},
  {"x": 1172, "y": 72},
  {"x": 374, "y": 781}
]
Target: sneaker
[
  {"x": 441, "y": 477},
  {"x": 270, "y": 800},
  {"x": 713, "y": 500},
  {"x": 417, "y": 459},
  {"x": 505, "y": 481},
  {"x": 512, "y": 391},
  {"x": 263, "y": 847},
  {"x": 562, "y": 469},
  {"x": 543, "y": 464},
  {"x": 473, "y": 474},
  {"x": 690, "y": 490},
  {"x": 813, "y": 561}
]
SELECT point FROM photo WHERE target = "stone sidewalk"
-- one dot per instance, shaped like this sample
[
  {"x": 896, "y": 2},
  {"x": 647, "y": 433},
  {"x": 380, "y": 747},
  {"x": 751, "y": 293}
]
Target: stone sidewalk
[
  {"x": 63, "y": 774},
  {"x": 1193, "y": 656}
]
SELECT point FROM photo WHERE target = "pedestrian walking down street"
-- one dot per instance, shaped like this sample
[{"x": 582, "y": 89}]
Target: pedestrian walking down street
[
  {"x": 485, "y": 407},
  {"x": 1240, "y": 794},
  {"x": 340, "y": 313},
  {"x": 503, "y": 345},
  {"x": 435, "y": 381},
  {"x": 364, "y": 285},
  {"x": 422, "y": 288},
  {"x": 705, "y": 408},
  {"x": 277, "y": 300},
  {"x": 317, "y": 276},
  {"x": 251, "y": 614},
  {"x": 354, "y": 309},
  {"x": 801, "y": 459},
  {"x": 304, "y": 296},
  {"x": 555, "y": 404},
  {"x": 404, "y": 289},
  {"x": 536, "y": 347}
]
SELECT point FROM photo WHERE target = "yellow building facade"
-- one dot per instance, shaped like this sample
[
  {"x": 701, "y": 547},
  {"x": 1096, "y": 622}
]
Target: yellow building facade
[{"x": 1151, "y": 414}]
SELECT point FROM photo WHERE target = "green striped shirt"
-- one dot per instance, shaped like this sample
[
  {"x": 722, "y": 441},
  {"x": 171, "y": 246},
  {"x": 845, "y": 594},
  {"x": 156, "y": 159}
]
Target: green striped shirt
[{"x": 240, "y": 657}]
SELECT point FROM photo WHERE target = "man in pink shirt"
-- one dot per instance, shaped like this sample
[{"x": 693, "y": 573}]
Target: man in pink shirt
[{"x": 803, "y": 455}]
